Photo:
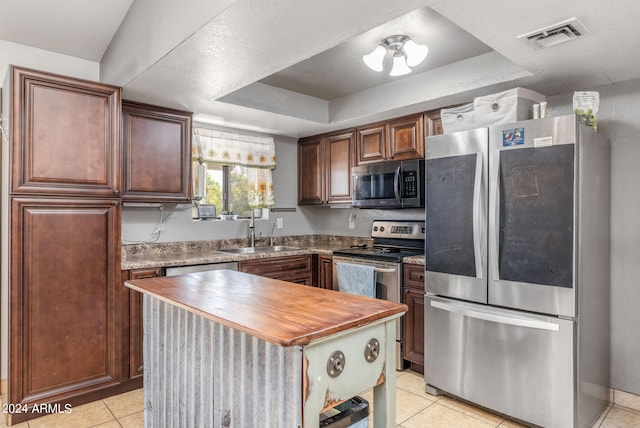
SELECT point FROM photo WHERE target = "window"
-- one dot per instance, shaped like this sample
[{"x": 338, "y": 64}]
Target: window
[
  {"x": 233, "y": 171},
  {"x": 227, "y": 189}
]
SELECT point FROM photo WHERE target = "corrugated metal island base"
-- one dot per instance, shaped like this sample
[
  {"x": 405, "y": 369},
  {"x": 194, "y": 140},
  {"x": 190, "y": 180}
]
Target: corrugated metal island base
[{"x": 229, "y": 349}]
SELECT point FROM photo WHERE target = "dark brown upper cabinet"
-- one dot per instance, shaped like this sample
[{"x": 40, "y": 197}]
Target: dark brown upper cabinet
[
  {"x": 64, "y": 135},
  {"x": 157, "y": 153},
  {"x": 397, "y": 139},
  {"x": 324, "y": 168}
]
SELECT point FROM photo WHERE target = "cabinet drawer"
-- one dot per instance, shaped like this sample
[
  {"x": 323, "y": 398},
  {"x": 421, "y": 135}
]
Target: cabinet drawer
[
  {"x": 414, "y": 276},
  {"x": 304, "y": 278},
  {"x": 275, "y": 267}
]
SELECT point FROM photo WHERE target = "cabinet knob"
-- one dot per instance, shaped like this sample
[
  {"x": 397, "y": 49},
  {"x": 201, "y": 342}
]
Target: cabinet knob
[{"x": 116, "y": 192}]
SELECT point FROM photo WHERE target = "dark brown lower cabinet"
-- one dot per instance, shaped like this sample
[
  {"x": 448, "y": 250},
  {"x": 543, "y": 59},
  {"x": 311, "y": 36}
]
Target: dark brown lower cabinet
[
  {"x": 325, "y": 271},
  {"x": 296, "y": 269},
  {"x": 133, "y": 333},
  {"x": 414, "y": 318},
  {"x": 64, "y": 299}
]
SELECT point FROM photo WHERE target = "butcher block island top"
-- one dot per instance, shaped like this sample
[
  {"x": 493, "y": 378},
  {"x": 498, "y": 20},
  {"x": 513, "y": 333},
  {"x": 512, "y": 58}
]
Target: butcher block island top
[
  {"x": 230, "y": 349},
  {"x": 279, "y": 312}
]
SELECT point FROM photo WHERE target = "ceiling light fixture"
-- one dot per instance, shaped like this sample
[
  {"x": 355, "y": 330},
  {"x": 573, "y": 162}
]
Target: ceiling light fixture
[{"x": 406, "y": 54}]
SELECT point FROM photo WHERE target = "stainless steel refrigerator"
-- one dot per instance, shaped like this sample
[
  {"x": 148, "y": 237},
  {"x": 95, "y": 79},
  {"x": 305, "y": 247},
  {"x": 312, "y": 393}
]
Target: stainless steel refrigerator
[{"x": 517, "y": 269}]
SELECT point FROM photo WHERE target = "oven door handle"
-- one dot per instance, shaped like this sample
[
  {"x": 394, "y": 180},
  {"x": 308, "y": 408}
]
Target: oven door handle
[{"x": 377, "y": 269}]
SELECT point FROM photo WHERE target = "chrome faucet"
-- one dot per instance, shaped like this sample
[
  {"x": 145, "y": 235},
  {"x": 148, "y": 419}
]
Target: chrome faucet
[
  {"x": 271, "y": 236},
  {"x": 252, "y": 230}
]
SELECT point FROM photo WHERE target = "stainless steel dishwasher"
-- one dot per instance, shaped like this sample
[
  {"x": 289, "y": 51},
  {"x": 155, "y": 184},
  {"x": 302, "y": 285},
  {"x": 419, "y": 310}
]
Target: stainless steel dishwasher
[{"x": 180, "y": 270}]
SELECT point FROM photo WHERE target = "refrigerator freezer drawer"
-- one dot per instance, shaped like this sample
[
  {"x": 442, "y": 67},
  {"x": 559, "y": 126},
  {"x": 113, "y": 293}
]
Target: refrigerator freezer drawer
[{"x": 515, "y": 363}]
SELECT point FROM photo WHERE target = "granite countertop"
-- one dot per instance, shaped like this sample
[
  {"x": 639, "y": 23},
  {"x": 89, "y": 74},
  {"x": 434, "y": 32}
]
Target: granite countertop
[
  {"x": 146, "y": 256},
  {"x": 290, "y": 314},
  {"x": 416, "y": 260},
  {"x": 186, "y": 258},
  {"x": 186, "y": 253}
]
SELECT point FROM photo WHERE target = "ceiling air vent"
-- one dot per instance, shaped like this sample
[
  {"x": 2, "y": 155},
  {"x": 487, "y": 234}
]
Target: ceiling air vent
[{"x": 555, "y": 34}]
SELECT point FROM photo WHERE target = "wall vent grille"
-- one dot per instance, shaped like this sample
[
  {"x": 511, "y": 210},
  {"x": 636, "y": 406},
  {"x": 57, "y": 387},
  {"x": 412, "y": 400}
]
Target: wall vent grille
[{"x": 555, "y": 34}]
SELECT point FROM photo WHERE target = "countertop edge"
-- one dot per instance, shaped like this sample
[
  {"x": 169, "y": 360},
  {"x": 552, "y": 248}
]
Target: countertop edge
[
  {"x": 380, "y": 309},
  {"x": 190, "y": 259}
]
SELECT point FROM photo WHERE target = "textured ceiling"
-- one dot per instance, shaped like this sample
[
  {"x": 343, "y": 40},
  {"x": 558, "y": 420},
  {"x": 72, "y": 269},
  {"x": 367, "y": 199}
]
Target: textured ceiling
[
  {"x": 294, "y": 68},
  {"x": 340, "y": 71}
]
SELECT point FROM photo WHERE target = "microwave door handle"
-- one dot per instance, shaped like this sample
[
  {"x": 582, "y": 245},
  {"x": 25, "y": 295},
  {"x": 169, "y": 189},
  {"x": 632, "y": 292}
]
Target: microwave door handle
[
  {"x": 478, "y": 208},
  {"x": 396, "y": 184}
]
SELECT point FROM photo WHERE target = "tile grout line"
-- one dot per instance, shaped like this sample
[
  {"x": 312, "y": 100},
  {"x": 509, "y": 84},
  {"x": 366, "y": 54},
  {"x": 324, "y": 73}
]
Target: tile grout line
[
  {"x": 418, "y": 412},
  {"x": 112, "y": 414}
]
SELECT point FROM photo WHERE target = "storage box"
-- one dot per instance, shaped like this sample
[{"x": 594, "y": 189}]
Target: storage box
[
  {"x": 502, "y": 107},
  {"x": 353, "y": 413},
  {"x": 458, "y": 118}
]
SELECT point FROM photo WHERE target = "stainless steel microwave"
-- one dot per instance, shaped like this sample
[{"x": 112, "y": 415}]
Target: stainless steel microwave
[{"x": 396, "y": 184}]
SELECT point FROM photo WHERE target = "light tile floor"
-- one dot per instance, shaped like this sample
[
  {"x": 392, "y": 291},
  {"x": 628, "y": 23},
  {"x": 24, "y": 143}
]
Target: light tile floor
[{"x": 414, "y": 409}]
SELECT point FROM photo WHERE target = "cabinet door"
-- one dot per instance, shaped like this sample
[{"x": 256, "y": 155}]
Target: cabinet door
[
  {"x": 406, "y": 138},
  {"x": 325, "y": 272},
  {"x": 157, "y": 153},
  {"x": 414, "y": 326},
  {"x": 432, "y": 123},
  {"x": 135, "y": 362},
  {"x": 311, "y": 176},
  {"x": 371, "y": 143},
  {"x": 65, "y": 340},
  {"x": 338, "y": 164},
  {"x": 414, "y": 318},
  {"x": 64, "y": 135}
]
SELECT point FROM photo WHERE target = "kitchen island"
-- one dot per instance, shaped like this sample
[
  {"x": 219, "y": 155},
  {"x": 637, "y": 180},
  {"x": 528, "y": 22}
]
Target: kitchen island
[{"x": 229, "y": 349}]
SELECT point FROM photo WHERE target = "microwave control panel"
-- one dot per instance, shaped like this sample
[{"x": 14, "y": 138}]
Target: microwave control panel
[{"x": 410, "y": 179}]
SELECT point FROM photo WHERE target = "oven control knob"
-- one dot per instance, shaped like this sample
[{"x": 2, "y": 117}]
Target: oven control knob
[
  {"x": 381, "y": 228},
  {"x": 375, "y": 228},
  {"x": 335, "y": 364},
  {"x": 372, "y": 350}
]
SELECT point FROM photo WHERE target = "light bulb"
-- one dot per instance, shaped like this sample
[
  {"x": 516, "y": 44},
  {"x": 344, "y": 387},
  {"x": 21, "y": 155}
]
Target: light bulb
[
  {"x": 375, "y": 58},
  {"x": 400, "y": 66},
  {"x": 415, "y": 53}
]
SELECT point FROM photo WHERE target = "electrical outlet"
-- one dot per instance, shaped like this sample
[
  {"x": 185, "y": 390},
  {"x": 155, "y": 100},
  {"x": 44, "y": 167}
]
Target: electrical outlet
[{"x": 279, "y": 224}]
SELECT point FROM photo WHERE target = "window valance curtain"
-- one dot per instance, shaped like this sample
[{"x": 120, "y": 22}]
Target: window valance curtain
[{"x": 229, "y": 148}]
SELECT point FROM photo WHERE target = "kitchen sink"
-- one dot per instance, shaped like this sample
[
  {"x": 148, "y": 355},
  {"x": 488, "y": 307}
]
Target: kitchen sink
[{"x": 252, "y": 250}]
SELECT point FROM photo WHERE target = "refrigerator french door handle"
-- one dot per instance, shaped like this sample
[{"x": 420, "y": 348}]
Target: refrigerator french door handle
[
  {"x": 494, "y": 225},
  {"x": 477, "y": 216},
  {"x": 396, "y": 185},
  {"x": 491, "y": 315}
]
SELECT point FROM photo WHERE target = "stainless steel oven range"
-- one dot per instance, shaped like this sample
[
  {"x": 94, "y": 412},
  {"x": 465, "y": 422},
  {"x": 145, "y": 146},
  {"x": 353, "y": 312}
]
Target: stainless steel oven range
[{"x": 392, "y": 241}]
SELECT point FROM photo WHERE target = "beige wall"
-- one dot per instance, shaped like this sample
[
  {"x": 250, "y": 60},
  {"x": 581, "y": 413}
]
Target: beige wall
[{"x": 619, "y": 120}]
